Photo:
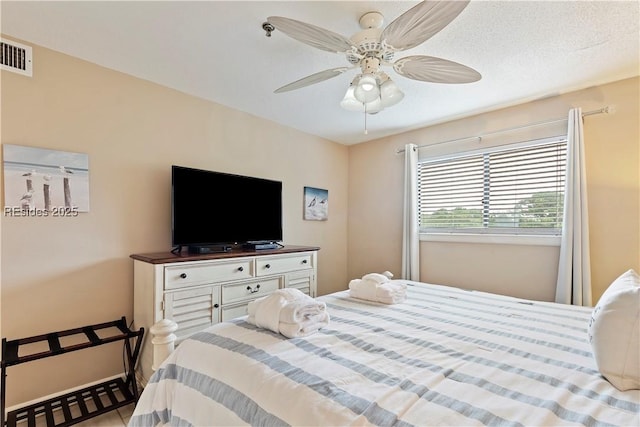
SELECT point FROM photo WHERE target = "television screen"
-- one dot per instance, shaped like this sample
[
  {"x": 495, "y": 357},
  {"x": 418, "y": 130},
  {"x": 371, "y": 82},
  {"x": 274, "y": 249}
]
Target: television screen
[{"x": 210, "y": 208}]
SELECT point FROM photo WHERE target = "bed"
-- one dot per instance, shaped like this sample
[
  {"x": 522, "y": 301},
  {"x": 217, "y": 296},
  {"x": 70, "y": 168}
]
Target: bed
[{"x": 445, "y": 356}]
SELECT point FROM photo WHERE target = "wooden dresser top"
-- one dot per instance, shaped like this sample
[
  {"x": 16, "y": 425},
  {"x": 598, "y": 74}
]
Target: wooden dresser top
[{"x": 168, "y": 257}]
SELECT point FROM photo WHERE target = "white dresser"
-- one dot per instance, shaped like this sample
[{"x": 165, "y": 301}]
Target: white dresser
[{"x": 196, "y": 291}]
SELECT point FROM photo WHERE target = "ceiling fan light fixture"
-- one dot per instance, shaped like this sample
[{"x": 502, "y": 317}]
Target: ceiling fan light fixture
[
  {"x": 367, "y": 89},
  {"x": 349, "y": 102},
  {"x": 373, "y": 107},
  {"x": 386, "y": 92},
  {"x": 390, "y": 93}
]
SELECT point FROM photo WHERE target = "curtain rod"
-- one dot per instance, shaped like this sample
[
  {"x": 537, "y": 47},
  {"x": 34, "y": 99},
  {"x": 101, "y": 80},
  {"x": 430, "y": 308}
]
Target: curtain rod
[{"x": 609, "y": 109}]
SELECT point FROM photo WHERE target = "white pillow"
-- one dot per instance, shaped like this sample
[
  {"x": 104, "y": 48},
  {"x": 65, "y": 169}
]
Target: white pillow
[{"x": 614, "y": 332}]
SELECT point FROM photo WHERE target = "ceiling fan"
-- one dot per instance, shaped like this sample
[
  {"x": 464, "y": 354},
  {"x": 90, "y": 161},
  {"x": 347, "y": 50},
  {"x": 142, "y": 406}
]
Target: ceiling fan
[{"x": 372, "y": 48}]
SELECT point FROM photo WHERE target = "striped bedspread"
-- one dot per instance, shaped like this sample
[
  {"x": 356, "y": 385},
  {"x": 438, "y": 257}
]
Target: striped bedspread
[{"x": 444, "y": 357}]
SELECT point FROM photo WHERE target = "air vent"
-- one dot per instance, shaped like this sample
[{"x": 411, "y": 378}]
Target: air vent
[{"x": 16, "y": 57}]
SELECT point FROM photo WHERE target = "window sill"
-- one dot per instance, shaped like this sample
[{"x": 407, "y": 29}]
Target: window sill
[{"x": 503, "y": 239}]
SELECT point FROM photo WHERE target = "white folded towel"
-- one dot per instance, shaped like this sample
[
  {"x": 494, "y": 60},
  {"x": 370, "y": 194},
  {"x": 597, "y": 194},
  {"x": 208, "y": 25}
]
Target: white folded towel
[
  {"x": 304, "y": 327},
  {"x": 363, "y": 289},
  {"x": 302, "y": 310},
  {"x": 378, "y": 287},
  {"x": 376, "y": 277},
  {"x": 289, "y": 312},
  {"x": 267, "y": 310},
  {"x": 392, "y": 292}
]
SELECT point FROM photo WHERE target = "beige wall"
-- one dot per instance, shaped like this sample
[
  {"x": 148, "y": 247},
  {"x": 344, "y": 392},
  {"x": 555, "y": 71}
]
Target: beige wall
[
  {"x": 64, "y": 272},
  {"x": 60, "y": 273},
  {"x": 613, "y": 162}
]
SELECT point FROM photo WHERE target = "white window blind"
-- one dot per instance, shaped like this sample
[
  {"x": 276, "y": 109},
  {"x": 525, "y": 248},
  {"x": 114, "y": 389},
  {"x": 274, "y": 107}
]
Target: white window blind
[{"x": 514, "y": 191}]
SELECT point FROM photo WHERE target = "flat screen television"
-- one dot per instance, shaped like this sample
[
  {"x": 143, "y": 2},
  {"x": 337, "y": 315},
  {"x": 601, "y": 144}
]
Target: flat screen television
[{"x": 214, "y": 209}]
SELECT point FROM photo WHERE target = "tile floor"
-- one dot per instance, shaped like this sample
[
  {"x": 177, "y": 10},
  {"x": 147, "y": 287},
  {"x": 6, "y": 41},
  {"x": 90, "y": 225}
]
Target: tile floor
[{"x": 116, "y": 418}]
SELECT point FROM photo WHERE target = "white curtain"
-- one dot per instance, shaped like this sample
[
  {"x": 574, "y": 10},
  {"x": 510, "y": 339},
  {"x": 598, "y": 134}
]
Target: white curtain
[
  {"x": 410, "y": 233},
  {"x": 574, "y": 273}
]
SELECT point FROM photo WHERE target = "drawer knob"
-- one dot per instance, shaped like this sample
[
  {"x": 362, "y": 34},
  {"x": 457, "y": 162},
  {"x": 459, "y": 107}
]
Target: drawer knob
[
  {"x": 241, "y": 268},
  {"x": 304, "y": 261},
  {"x": 183, "y": 275},
  {"x": 253, "y": 291},
  {"x": 216, "y": 305},
  {"x": 267, "y": 266}
]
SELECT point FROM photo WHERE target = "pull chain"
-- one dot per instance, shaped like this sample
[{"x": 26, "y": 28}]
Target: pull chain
[{"x": 366, "y": 132}]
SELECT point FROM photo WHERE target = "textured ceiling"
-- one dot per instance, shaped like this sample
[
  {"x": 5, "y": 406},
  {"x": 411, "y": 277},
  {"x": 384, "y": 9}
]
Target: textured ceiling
[{"x": 218, "y": 51}]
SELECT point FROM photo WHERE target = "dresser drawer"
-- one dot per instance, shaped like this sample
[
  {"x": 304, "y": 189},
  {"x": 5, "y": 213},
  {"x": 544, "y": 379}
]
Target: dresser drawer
[
  {"x": 249, "y": 290},
  {"x": 276, "y": 265},
  {"x": 229, "y": 313},
  {"x": 179, "y": 276}
]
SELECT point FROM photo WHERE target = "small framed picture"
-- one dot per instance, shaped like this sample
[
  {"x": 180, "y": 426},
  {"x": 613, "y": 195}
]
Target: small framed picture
[
  {"x": 44, "y": 182},
  {"x": 316, "y": 204}
]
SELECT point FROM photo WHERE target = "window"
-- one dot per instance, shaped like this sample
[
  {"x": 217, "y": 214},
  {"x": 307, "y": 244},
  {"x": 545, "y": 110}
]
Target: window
[{"x": 515, "y": 190}]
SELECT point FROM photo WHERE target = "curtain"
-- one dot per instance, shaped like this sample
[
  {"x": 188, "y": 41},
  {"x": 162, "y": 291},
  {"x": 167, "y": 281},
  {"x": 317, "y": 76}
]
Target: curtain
[
  {"x": 410, "y": 233},
  {"x": 574, "y": 273}
]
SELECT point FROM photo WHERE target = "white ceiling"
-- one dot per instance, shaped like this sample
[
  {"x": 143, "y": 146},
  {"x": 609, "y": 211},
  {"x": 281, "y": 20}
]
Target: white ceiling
[{"x": 217, "y": 50}]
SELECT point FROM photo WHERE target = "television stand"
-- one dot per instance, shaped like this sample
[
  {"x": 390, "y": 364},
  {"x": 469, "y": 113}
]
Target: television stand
[
  {"x": 197, "y": 291},
  {"x": 256, "y": 246}
]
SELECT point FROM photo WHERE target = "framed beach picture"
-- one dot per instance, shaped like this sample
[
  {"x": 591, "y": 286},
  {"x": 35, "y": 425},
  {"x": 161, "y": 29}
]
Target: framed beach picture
[
  {"x": 43, "y": 182},
  {"x": 316, "y": 204}
]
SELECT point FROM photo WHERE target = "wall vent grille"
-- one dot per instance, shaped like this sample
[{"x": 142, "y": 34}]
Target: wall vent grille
[{"x": 16, "y": 57}]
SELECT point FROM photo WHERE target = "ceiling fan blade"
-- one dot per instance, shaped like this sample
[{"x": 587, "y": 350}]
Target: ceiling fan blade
[
  {"x": 312, "y": 79},
  {"x": 420, "y": 23},
  {"x": 435, "y": 70},
  {"x": 311, "y": 35}
]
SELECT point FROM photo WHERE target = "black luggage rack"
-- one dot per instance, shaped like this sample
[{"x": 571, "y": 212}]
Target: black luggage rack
[{"x": 90, "y": 400}]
